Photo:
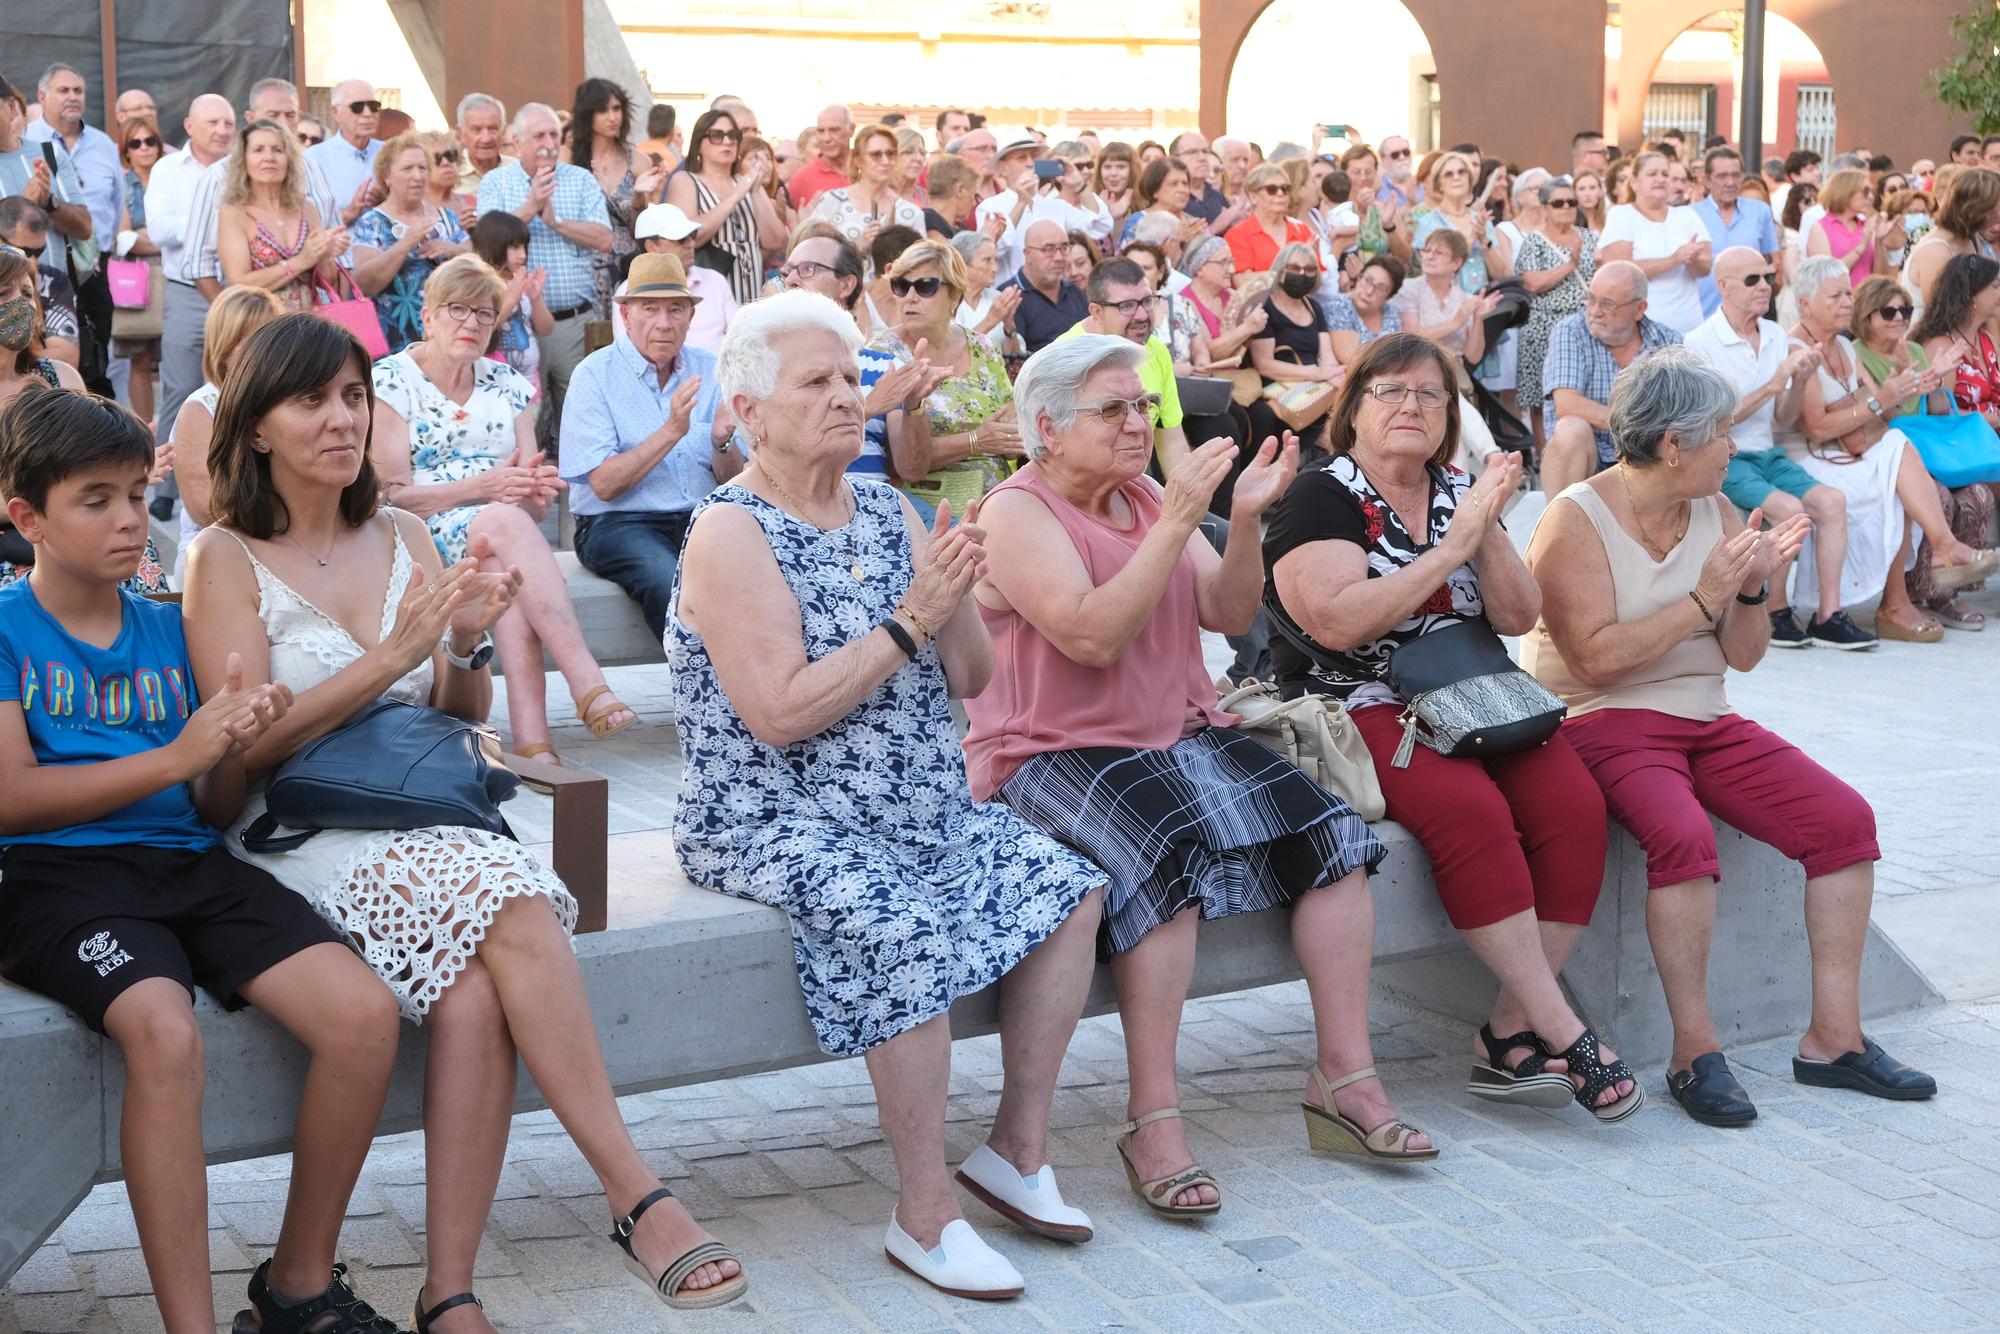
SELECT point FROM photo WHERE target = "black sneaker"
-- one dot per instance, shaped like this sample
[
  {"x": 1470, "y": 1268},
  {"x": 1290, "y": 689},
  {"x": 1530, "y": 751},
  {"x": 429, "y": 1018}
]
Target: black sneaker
[
  {"x": 1785, "y": 632},
  {"x": 1836, "y": 631},
  {"x": 161, "y": 508}
]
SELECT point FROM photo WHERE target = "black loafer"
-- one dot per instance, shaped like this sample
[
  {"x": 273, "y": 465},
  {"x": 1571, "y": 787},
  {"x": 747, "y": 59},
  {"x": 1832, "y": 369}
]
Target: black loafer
[
  {"x": 1708, "y": 1092},
  {"x": 1871, "y": 1071}
]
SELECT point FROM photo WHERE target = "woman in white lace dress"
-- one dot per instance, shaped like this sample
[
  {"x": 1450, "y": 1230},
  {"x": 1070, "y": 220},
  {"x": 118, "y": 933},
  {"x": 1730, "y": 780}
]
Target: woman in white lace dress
[{"x": 316, "y": 587}]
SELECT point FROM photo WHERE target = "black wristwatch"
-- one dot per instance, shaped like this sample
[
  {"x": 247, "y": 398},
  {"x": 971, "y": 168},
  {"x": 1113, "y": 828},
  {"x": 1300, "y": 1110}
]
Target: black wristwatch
[{"x": 1763, "y": 596}]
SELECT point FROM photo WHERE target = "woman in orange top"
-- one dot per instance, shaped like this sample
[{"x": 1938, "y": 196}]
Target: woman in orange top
[{"x": 1256, "y": 241}]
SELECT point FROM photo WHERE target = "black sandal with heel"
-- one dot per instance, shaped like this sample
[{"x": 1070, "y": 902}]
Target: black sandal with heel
[
  {"x": 350, "y": 1314},
  {"x": 668, "y": 1283},
  {"x": 1529, "y": 1084},
  {"x": 424, "y": 1317},
  {"x": 1586, "y": 1062}
]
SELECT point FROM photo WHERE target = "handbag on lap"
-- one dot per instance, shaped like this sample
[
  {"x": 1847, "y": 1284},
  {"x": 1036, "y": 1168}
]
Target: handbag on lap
[{"x": 1315, "y": 733}]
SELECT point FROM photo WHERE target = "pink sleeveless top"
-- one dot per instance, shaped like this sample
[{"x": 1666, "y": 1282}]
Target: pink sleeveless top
[
  {"x": 1039, "y": 700},
  {"x": 1841, "y": 238}
]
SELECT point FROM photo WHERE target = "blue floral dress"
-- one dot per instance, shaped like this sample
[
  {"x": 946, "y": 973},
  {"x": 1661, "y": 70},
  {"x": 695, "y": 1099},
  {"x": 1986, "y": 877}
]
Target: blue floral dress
[
  {"x": 904, "y": 893},
  {"x": 400, "y": 305},
  {"x": 450, "y": 441}
]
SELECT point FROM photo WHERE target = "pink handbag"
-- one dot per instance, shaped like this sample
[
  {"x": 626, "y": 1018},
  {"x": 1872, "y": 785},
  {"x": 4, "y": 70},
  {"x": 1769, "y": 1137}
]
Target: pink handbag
[
  {"x": 130, "y": 281},
  {"x": 354, "y": 312}
]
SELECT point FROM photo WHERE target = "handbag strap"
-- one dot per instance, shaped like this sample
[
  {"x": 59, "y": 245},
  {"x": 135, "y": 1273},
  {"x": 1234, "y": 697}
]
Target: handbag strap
[{"x": 261, "y": 835}]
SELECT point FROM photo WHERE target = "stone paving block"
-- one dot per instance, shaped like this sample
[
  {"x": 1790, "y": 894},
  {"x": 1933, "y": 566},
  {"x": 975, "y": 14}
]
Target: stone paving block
[
  {"x": 1466, "y": 1315},
  {"x": 1444, "y": 1248},
  {"x": 1646, "y": 1264},
  {"x": 1186, "y": 1315},
  {"x": 96, "y": 1227},
  {"x": 1352, "y": 1301},
  {"x": 904, "y": 1308},
  {"x": 1127, "y": 1272},
  {"x": 49, "y": 1270}
]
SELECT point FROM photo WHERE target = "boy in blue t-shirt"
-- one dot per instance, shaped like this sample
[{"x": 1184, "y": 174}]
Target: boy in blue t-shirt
[{"x": 116, "y": 894}]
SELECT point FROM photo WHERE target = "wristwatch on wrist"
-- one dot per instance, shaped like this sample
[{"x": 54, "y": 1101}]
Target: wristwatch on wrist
[
  {"x": 473, "y": 661},
  {"x": 1874, "y": 405},
  {"x": 1763, "y": 596}
]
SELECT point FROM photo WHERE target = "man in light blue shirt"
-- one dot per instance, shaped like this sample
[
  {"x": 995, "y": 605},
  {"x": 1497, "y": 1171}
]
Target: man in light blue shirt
[
  {"x": 347, "y": 158},
  {"x": 100, "y": 187},
  {"x": 644, "y": 437},
  {"x": 1731, "y": 219}
]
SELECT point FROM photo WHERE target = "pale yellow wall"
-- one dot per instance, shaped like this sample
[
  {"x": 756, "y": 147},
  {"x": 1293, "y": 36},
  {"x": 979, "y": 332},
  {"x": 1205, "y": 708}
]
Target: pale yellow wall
[{"x": 360, "y": 39}]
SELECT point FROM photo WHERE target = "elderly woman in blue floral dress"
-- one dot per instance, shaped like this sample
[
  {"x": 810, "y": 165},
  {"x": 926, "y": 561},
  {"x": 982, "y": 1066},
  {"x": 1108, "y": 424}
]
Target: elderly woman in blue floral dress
[
  {"x": 454, "y": 444},
  {"x": 817, "y": 632}
]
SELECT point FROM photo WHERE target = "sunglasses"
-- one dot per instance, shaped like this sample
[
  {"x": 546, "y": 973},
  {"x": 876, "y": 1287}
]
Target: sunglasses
[
  {"x": 1562, "y": 203},
  {"x": 1398, "y": 155},
  {"x": 923, "y": 287},
  {"x": 444, "y": 155},
  {"x": 1274, "y": 189},
  {"x": 881, "y": 154},
  {"x": 365, "y": 108},
  {"x": 1112, "y": 410},
  {"x": 1895, "y": 314},
  {"x": 1757, "y": 279},
  {"x": 143, "y": 141},
  {"x": 310, "y": 139},
  {"x": 724, "y": 136},
  {"x": 31, "y": 251}
]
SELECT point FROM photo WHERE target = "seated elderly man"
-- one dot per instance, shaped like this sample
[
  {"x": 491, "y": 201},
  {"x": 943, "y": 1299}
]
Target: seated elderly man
[
  {"x": 1050, "y": 306},
  {"x": 1770, "y": 377},
  {"x": 644, "y": 439},
  {"x": 663, "y": 229},
  {"x": 1650, "y": 538},
  {"x": 1586, "y": 352},
  {"x": 1101, "y": 726},
  {"x": 819, "y": 634}
]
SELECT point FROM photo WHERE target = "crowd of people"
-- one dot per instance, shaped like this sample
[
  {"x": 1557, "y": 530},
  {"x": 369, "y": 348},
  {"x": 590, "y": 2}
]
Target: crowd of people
[{"x": 867, "y": 421}]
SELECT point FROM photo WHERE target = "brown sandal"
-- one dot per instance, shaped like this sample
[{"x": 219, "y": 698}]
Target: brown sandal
[
  {"x": 532, "y": 749},
  {"x": 594, "y": 718},
  {"x": 1327, "y": 1131},
  {"x": 1159, "y": 1193},
  {"x": 1927, "y": 630}
]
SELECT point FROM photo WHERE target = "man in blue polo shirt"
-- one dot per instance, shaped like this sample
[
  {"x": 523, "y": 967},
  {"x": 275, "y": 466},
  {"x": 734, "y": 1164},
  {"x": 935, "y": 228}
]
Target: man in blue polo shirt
[
  {"x": 1049, "y": 306},
  {"x": 644, "y": 437},
  {"x": 347, "y": 158},
  {"x": 1731, "y": 219}
]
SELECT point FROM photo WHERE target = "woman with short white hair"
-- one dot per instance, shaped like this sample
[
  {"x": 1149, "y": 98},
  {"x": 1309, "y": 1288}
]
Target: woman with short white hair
[
  {"x": 1102, "y": 727},
  {"x": 818, "y": 632}
]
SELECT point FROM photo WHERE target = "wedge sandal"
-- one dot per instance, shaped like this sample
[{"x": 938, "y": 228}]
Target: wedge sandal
[
  {"x": 1328, "y": 1131},
  {"x": 1586, "y": 1062},
  {"x": 1528, "y": 1084},
  {"x": 1159, "y": 1193},
  {"x": 668, "y": 1282}
]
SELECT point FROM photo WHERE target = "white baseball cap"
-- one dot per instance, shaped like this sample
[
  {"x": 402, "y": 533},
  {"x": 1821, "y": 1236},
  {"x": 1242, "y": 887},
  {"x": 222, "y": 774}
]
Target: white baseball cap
[{"x": 665, "y": 220}]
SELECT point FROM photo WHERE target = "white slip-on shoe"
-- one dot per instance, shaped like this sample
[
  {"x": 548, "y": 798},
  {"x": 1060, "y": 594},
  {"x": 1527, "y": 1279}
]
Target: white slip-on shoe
[
  {"x": 960, "y": 1264},
  {"x": 1033, "y": 1201}
]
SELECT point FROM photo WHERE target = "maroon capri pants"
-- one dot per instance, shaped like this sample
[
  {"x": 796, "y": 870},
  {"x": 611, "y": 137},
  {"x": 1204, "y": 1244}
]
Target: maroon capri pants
[
  {"x": 1663, "y": 776},
  {"x": 1504, "y": 834}
]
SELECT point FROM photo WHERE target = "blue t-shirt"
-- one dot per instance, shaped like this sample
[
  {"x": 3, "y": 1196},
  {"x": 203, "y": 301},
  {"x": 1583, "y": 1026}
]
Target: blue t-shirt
[{"x": 86, "y": 705}]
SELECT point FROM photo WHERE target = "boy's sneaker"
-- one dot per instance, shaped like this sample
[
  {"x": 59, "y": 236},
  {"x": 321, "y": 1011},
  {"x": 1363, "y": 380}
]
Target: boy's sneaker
[
  {"x": 1836, "y": 631},
  {"x": 1785, "y": 632},
  {"x": 335, "y": 1311}
]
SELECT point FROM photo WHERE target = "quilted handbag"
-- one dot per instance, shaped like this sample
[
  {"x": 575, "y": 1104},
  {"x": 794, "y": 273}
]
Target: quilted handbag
[
  {"x": 1959, "y": 449},
  {"x": 1316, "y": 735},
  {"x": 353, "y": 312},
  {"x": 1466, "y": 697},
  {"x": 395, "y": 766}
]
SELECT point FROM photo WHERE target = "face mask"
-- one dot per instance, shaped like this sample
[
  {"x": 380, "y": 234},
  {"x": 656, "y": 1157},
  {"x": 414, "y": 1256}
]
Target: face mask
[
  {"x": 1913, "y": 223},
  {"x": 17, "y": 322},
  {"x": 1298, "y": 284}
]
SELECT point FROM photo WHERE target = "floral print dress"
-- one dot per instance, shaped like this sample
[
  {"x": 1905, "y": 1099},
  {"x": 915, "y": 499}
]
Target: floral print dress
[
  {"x": 400, "y": 305},
  {"x": 903, "y": 892},
  {"x": 451, "y": 441},
  {"x": 959, "y": 404},
  {"x": 1551, "y": 307}
]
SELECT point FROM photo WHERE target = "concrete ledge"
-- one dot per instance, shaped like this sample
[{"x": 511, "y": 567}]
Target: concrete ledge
[{"x": 716, "y": 965}]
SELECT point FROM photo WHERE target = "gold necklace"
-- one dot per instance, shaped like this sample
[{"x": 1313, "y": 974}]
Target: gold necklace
[
  {"x": 844, "y": 526},
  {"x": 1625, "y": 477}
]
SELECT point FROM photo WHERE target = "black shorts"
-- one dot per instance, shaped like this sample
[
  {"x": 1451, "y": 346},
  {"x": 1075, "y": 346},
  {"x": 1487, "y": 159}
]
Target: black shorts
[{"x": 80, "y": 925}]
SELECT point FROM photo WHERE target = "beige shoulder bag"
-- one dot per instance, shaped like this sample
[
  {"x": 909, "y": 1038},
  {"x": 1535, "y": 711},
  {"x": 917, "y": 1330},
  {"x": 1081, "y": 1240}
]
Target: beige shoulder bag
[{"x": 1315, "y": 733}]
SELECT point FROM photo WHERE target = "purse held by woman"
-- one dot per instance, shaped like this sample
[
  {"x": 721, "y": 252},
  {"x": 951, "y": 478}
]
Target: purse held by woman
[
  {"x": 394, "y": 766},
  {"x": 353, "y": 312},
  {"x": 1958, "y": 449},
  {"x": 1316, "y": 735},
  {"x": 1466, "y": 697}
]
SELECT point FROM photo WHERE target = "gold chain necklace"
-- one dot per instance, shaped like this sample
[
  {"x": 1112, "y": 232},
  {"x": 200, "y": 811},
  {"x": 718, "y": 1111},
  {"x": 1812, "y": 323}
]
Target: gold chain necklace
[
  {"x": 845, "y": 526},
  {"x": 1625, "y": 477}
]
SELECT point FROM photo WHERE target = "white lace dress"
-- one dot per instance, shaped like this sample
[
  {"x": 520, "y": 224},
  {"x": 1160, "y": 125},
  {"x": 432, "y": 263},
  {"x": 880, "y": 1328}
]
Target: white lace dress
[{"x": 416, "y": 903}]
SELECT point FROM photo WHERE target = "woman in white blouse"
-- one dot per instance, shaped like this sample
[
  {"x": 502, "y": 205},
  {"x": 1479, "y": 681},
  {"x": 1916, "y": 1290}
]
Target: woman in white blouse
[
  {"x": 871, "y": 203},
  {"x": 1669, "y": 244}
]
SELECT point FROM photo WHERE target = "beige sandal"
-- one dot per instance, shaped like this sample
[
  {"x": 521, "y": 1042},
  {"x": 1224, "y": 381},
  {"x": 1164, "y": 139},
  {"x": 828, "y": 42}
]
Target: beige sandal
[
  {"x": 594, "y": 718},
  {"x": 1327, "y": 1131},
  {"x": 534, "y": 748},
  {"x": 1159, "y": 1193}
]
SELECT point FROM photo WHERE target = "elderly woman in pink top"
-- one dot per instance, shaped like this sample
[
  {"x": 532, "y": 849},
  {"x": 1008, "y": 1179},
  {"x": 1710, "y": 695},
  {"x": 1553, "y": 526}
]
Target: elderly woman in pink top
[{"x": 1100, "y": 726}]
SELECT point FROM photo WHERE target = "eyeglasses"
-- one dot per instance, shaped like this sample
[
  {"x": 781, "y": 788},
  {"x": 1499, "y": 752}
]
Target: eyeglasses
[
  {"x": 484, "y": 315},
  {"x": 1393, "y": 395},
  {"x": 923, "y": 287},
  {"x": 1449, "y": 172},
  {"x": 143, "y": 141},
  {"x": 1125, "y": 308},
  {"x": 1561, "y": 203},
  {"x": 310, "y": 139},
  {"x": 444, "y": 155},
  {"x": 724, "y": 136},
  {"x": 1298, "y": 271},
  {"x": 881, "y": 154},
  {"x": 367, "y": 107},
  {"x": 1602, "y": 306},
  {"x": 803, "y": 269},
  {"x": 1053, "y": 250},
  {"x": 1757, "y": 279},
  {"x": 1895, "y": 314},
  {"x": 1112, "y": 410}
]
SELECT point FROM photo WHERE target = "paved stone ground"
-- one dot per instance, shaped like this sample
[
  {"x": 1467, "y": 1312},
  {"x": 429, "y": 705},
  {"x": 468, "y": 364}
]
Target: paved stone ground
[{"x": 1833, "y": 1212}]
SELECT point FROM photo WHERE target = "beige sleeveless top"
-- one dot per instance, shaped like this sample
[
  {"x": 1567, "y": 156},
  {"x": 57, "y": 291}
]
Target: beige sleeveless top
[{"x": 1686, "y": 680}]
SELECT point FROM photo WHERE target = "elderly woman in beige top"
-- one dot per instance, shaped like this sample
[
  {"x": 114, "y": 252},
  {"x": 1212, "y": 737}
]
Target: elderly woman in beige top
[{"x": 1651, "y": 588}]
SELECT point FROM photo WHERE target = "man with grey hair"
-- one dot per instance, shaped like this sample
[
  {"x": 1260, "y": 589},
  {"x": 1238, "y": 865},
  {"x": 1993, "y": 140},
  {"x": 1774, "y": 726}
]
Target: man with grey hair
[
  {"x": 84, "y": 223},
  {"x": 739, "y": 111},
  {"x": 1235, "y": 158},
  {"x": 1586, "y": 352},
  {"x": 568, "y": 228},
  {"x": 828, "y": 169},
  {"x": 133, "y": 103},
  {"x": 1067, "y": 201},
  {"x": 1161, "y": 230},
  {"x": 481, "y": 117},
  {"x": 1049, "y": 305},
  {"x": 348, "y": 158}
]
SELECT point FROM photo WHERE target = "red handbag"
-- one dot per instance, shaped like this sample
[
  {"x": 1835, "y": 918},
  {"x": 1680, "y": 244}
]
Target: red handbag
[{"x": 354, "y": 312}]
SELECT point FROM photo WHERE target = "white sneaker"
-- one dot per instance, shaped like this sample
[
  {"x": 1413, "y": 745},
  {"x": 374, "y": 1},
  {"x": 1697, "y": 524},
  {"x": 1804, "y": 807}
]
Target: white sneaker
[
  {"x": 960, "y": 1264},
  {"x": 1032, "y": 1201}
]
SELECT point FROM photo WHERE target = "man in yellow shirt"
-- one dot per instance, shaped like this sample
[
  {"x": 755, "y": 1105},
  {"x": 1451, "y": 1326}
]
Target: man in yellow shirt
[{"x": 1123, "y": 306}]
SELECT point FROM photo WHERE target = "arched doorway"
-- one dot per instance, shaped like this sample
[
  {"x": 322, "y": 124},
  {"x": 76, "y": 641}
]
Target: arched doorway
[
  {"x": 1696, "y": 86},
  {"x": 1279, "y": 90}
]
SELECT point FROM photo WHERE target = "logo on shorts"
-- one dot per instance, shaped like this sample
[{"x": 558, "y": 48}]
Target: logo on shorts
[{"x": 101, "y": 951}]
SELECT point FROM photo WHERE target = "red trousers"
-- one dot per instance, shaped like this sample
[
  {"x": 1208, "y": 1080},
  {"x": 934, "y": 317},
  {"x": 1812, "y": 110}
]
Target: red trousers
[
  {"x": 1505, "y": 834},
  {"x": 1664, "y": 776}
]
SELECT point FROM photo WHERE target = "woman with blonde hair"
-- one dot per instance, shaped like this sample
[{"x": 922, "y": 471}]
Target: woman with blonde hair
[
  {"x": 232, "y": 317},
  {"x": 1591, "y": 205},
  {"x": 1851, "y": 230},
  {"x": 266, "y": 235},
  {"x": 872, "y": 201},
  {"x": 1449, "y": 202},
  {"x": 911, "y": 155}
]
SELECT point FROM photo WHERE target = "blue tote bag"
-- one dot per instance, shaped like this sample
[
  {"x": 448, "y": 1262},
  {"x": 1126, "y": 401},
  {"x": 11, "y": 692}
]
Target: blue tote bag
[{"x": 1959, "y": 449}]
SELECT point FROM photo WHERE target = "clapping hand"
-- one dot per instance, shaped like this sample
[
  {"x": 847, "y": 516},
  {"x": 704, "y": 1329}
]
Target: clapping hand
[
  {"x": 1478, "y": 510},
  {"x": 487, "y": 590},
  {"x": 163, "y": 463},
  {"x": 1777, "y": 548},
  {"x": 953, "y": 561},
  {"x": 426, "y": 611},
  {"x": 928, "y": 376},
  {"x": 229, "y": 722},
  {"x": 1193, "y": 481},
  {"x": 1265, "y": 479}
]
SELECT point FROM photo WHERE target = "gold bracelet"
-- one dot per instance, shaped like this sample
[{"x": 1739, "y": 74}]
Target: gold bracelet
[
  {"x": 916, "y": 620},
  {"x": 1701, "y": 606}
]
